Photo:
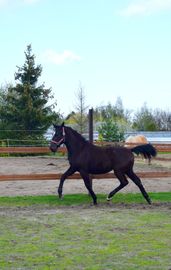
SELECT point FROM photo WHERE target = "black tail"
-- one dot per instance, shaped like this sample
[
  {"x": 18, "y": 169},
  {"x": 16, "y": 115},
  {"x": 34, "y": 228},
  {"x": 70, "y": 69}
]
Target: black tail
[{"x": 147, "y": 150}]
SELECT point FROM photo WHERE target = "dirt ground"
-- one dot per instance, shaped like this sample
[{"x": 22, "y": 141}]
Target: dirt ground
[{"x": 28, "y": 165}]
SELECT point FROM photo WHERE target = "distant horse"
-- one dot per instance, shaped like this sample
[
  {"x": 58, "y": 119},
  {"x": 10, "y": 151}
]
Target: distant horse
[
  {"x": 87, "y": 159},
  {"x": 136, "y": 139}
]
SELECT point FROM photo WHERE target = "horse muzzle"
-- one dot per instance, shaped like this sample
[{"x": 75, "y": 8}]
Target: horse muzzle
[
  {"x": 53, "y": 149},
  {"x": 55, "y": 144}
]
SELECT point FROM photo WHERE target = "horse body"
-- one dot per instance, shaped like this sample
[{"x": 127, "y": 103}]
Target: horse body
[
  {"x": 108, "y": 159},
  {"x": 94, "y": 159},
  {"x": 87, "y": 159},
  {"x": 91, "y": 164}
]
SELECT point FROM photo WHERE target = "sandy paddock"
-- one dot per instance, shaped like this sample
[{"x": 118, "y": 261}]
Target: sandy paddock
[{"x": 28, "y": 165}]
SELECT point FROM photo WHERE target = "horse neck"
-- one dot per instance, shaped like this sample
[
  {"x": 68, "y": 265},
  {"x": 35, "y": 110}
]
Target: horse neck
[{"x": 74, "y": 142}]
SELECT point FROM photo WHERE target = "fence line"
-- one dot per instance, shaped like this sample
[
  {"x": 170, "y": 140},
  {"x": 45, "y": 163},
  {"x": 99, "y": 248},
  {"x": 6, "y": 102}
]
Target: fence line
[
  {"x": 45, "y": 149},
  {"x": 57, "y": 176}
]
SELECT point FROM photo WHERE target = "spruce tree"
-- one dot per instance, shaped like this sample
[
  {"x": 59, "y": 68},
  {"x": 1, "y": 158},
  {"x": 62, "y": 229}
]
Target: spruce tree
[
  {"x": 110, "y": 132},
  {"x": 28, "y": 107}
]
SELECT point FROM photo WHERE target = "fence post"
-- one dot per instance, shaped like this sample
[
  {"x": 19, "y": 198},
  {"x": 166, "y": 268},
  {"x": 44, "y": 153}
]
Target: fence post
[
  {"x": 90, "y": 121},
  {"x": 90, "y": 125},
  {"x": 8, "y": 144}
]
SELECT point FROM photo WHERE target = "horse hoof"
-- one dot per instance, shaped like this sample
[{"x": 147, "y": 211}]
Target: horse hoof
[
  {"x": 109, "y": 199},
  {"x": 149, "y": 202}
]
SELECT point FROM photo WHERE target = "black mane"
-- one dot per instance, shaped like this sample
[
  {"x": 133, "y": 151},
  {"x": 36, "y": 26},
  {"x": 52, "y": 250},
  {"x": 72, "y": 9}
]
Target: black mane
[{"x": 78, "y": 135}]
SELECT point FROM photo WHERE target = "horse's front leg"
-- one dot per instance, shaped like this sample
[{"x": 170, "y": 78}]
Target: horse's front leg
[
  {"x": 69, "y": 172},
  {"x": 88, "y": 184}
]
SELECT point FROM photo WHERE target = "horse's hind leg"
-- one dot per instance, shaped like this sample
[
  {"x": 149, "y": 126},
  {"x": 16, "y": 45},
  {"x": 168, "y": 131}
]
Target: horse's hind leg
[
  {"x": 123, "y": 182},
  {"x": 138, "y": 182},
  {"x": 88, "y": 184}
]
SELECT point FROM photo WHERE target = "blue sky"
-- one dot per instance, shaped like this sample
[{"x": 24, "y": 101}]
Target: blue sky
[{"x": 114, "y": 48}]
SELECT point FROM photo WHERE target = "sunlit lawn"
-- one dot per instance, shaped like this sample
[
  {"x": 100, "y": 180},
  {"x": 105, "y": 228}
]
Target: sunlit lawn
[{"x": 45, "y": 233}]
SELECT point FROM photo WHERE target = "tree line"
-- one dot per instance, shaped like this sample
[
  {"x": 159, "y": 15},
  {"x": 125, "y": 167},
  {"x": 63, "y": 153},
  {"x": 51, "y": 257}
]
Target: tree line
[
  {"x": 28, "y": 109},
  {"x": 144, "y": 119}
]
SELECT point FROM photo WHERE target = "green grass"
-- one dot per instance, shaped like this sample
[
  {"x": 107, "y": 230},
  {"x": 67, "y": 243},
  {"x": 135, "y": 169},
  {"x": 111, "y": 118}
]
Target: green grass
[
  {"x": 77, "y": 199},
  {"x": 162, "y": 152},
  {"x": 44, "y": 233}
]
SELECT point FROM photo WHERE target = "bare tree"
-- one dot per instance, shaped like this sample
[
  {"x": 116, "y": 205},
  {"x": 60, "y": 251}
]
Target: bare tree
[
  {"x": 163, "y": 119},
  {"x": 81, "y": 108}
]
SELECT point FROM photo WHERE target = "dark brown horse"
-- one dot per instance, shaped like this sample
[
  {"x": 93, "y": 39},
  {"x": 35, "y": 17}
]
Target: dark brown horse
[{"x": 87, "y": 159}]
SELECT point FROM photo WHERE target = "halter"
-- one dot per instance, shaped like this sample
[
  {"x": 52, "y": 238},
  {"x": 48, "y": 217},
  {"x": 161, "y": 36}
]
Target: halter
[{"x": 62, "y": 140}]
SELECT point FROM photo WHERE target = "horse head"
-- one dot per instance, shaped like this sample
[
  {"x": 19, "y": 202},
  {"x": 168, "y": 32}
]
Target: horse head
[{"x": 58, "y": 137}]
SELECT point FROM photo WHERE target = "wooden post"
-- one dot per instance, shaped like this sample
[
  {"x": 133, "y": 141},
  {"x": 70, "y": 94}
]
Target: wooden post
[
  {"x": 90, "y": 125},
  {"x": 90, "y": 121}
]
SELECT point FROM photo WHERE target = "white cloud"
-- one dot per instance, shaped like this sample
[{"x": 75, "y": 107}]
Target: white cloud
[
  {"x": 141, "y": 7},
  {"x": 60, "y": 58}
]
